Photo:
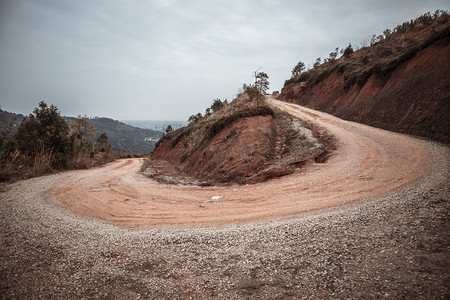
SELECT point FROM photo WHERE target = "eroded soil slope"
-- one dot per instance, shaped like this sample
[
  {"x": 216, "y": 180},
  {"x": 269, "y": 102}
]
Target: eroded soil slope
[
  {"x": 414, "y": 98},
  {"x": 239, "y": 145}
]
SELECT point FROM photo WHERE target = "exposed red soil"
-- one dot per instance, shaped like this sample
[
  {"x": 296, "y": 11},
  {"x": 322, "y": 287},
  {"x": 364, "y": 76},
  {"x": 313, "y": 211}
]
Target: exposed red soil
[
  {"x": 368, "y": 162},
  {"x": 241, "y": 144},
  {"x": 415, "y": 99},
  {"x": 237, "y": 152}
]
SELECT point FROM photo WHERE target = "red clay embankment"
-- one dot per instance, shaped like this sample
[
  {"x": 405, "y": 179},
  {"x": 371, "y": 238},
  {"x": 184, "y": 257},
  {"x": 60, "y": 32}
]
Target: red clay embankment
[{"x": 414, "y": 99}]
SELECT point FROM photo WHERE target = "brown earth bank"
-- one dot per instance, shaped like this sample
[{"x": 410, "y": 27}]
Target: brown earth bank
[
  {"x": 242, "y": 144},
  {"x": 393, "y": 245},
  {"x": 413, "y": 99}
]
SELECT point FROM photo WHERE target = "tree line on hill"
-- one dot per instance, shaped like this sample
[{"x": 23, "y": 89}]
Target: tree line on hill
[
  {"x": 124, "y": 138},
  {"x": 44, "y": 142}
]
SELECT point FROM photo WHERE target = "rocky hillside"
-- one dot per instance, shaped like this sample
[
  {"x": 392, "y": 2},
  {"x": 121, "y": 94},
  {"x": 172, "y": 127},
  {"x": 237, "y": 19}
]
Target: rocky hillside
[
  {"x": 241, "y": 143},
  {"x": 399, "y": 83}
]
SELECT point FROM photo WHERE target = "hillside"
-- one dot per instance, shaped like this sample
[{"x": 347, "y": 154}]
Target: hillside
[
  {"x": 241, "y": 143},
  {"x": 125, "y": 137},
  {"x": 399, "y": 83},
  {"x": 10, "y": 120},
  {"x": 122, "y": 137}
]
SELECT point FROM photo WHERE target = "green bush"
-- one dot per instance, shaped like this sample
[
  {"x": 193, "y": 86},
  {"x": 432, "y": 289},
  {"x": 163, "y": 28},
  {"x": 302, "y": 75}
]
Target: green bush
[
  {"x": 43, "y": 143},
  {"x": 44, "y": 129}
]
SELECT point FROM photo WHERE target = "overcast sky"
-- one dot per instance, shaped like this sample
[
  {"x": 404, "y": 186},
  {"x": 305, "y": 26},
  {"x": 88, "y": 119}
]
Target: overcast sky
[{"x": 168, "y": 59}]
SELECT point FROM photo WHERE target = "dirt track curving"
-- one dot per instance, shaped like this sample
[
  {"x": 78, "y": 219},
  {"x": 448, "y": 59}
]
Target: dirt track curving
[
  {"x": 395, "y": 246},
  {"x": 369, "y": 162}
]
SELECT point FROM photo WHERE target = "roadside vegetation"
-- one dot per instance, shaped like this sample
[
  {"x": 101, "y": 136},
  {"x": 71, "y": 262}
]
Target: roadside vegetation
[
  {"x": 44, "y": 143},
  {"x": 386, "y": 52}
]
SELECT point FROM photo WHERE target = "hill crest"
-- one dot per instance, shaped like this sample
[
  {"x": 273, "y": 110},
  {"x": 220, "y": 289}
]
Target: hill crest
[{"x": 400, "y": 83}]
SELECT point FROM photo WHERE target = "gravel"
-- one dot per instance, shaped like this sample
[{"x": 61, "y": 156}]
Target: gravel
[{"x": 395, "y": 247}]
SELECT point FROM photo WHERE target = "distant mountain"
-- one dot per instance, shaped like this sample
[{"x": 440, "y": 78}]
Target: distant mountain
[
  {"x": 122, "y": 137},
  {"x": 10, "y": 119}
]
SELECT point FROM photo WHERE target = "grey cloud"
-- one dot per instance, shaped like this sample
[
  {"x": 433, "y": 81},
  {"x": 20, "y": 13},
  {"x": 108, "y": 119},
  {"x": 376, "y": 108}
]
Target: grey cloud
[{"x": 169, "y": 59}]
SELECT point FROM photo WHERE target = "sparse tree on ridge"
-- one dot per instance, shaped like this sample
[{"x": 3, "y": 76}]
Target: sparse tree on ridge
[
  {"x": 257, "y": 91},
  {"x": 216, "y": 105},
  {"x": 195, "y": 118},
  {"x": 298, "y": 69},
  {"x": 317, "y": 63},
  {"x": 262, "y": 82},
  {"x": 348, "y": 50},
  {"x": 261, "y": 85},
  {"x": 333, "y": 55},
  {"x": 169, "y": 129}
]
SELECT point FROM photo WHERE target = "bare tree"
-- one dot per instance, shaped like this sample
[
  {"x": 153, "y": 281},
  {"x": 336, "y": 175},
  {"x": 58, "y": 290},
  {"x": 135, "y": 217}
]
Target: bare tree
[{"x": 83, "y": 132}]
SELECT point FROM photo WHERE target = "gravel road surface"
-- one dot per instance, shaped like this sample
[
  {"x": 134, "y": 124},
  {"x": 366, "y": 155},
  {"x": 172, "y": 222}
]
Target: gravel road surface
[{"x": 376, "y": 225}]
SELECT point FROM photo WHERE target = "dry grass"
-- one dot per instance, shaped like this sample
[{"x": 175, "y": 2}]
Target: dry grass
[
  {"x": 193, "y": 141},
  {"x": 8, "y": 169},
  {"x": 18, "y": 166},
  {"x": 42, "y": 163},
  {"x": 80, "y": 162}
]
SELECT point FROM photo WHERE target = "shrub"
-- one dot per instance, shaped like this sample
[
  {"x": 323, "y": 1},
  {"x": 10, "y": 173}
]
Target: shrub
[
  {"x": 169, "y": 129},
  {"x": 44, "y": 129},
  {"x": 348, "y": 51},
  {"x": 216, "y": 105},
  {"x": 195, "y": 118},
  {"x": 43, "y": 143}
]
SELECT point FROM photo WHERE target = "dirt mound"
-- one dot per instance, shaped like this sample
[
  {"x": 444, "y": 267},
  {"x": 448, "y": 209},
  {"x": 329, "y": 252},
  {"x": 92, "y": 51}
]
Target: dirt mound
[
  {"x": 242, "y": 144},
  {"x": 411, "y": 96}
]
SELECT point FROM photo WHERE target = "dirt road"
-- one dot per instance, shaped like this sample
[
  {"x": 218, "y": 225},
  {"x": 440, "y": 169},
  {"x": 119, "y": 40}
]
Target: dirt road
[
  {"x": 394, "y": 246},
  {"x": 369, "y": 162}
]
